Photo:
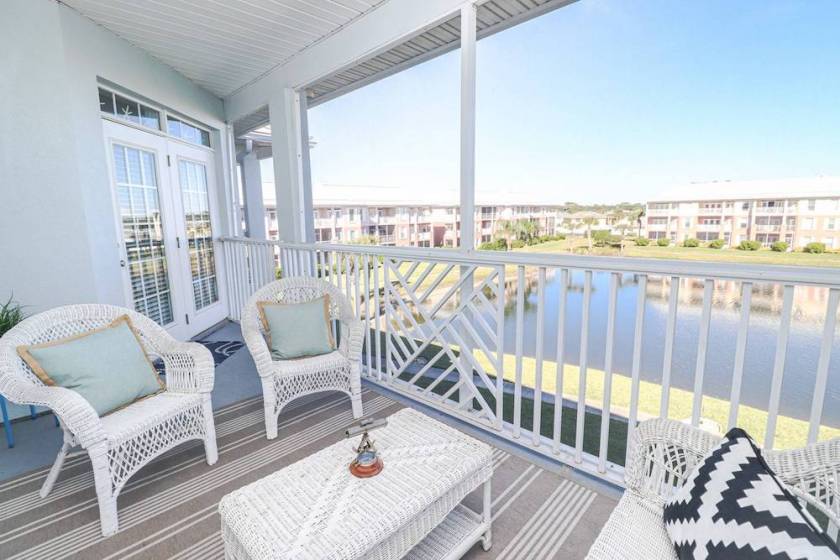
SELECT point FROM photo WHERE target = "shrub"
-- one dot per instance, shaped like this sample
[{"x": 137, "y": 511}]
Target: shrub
[
  {"x": 779, "y": 246},
  {"x": 517, "y": 244},
  {"x": 691, "y": 242},
  {"x": 716, "y": 244},
  {"x": 558, "y": 237},
  {"x": 642, "y": 242},
  {"x": 814, "y": 247},
  {"x": 663, "y": 242},
  {"x": 11, "y": 313},
  {"x": 749, "y": 245},
  {"x": 608, "y": 241}
]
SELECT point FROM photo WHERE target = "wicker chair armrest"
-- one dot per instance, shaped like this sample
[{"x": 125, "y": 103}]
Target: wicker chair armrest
[
  {"x": 189, "y": 367},
  {"x": 662, "y": 454},
  {"x": 812, "y": 473},
  {"x": 257, "y": 346},
  {"x": 351, "y": 344},
  {"x": 76, "y": 414}
]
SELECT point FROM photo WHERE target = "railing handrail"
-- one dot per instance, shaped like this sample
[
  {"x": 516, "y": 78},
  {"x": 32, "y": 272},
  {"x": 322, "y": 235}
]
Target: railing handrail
[{"x": 790, "y": 275}]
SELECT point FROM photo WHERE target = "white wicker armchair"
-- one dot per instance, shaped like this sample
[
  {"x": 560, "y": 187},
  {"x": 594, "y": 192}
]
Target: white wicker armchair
[
  {"x": 286, "y": 380},
  {"x": 122, "y": 442},
  {"x": 662, "y": 455}
]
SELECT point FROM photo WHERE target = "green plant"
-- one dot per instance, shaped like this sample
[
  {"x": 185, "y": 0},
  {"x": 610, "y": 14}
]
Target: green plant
[
  {"x": 497, "y": 245},
  {"x": 11, "y": 313},
  {"x": 779, "y": 246},
  {"x": 716, "y": 244},
  {"x": 691, "y": 242},
  {"x": 663, "y": 241},
  {"x": 642, "y": 242},
  {"x": 815, "y": 247},
  {"x": 749, "y": 245},
  {"x": 517, "y": 244}
]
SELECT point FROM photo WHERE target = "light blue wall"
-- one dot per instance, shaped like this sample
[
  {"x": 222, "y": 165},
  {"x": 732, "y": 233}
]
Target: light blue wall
[{"x": 58, "y": 237}]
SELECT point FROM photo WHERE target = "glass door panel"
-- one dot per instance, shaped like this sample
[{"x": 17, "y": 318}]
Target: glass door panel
[
  {"x": 192, "y": 177},
  {"x": 138, "y": 196}
]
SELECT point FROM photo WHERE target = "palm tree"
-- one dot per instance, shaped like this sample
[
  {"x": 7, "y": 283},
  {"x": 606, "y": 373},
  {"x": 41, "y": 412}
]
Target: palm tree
[
  {"x": 638, "y": 214},
  {"x": 526, "y": 229},
  {"x": 589, "y": 222},
  {"x": 509, "y": 230}
]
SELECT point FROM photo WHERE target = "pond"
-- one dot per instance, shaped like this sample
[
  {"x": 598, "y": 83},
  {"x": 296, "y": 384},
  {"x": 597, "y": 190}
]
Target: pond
[{"x": 802, "y": 352}]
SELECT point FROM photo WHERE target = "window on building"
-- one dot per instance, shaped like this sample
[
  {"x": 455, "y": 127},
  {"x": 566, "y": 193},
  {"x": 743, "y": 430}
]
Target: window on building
[
  {"x": 808, "y": 223},
  {"x": 187, "y": 132},
  {"x": 128, "y": 109},
  {"x": 812, "y": 204}
]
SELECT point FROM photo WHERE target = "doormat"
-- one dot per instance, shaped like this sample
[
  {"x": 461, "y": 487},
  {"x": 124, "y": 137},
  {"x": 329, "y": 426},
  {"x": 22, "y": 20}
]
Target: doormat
[{"x": 221, "y": 350}]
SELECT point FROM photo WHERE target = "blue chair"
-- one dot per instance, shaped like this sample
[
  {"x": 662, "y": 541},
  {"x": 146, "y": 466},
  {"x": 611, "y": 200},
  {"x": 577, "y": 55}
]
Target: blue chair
[{"x": 7, "y": 425}]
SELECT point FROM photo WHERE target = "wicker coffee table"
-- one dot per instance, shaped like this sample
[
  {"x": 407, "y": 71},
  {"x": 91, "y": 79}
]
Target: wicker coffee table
[{"x": 315, "y": 509}]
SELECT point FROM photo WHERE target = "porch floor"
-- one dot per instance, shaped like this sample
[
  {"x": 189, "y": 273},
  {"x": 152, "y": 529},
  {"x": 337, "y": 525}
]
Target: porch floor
[{"x": 169, "y": 509}]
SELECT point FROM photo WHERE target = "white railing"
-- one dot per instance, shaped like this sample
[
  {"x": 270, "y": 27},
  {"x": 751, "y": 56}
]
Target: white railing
[{"x": 437, "y": 323}]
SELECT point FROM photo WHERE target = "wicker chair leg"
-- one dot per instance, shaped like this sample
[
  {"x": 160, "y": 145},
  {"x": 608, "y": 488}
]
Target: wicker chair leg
[
  {"x": 52, "y": 476},
  {"x": 210, "y": 449},
  {"x": 104, "y": 491},
  {"x": 270, "y": 407},
  {"x": 356, "y": 403}
]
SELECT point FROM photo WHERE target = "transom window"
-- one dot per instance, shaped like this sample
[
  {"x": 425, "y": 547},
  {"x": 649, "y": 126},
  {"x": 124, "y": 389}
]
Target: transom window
[
  {"x": 188, "y": 132},
  {"x": 128, "y": 109}
]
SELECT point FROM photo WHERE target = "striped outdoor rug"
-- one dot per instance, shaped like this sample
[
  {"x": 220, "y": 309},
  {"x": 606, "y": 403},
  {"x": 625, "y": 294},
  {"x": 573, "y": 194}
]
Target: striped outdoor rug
[{"x": 169, "y": 509}]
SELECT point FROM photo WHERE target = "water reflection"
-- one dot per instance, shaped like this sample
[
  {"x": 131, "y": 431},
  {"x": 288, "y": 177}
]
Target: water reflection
[{"x": 802, "y": 353}]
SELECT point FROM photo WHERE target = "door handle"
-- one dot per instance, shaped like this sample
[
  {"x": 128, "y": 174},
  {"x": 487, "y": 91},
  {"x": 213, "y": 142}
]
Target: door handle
[
  {"x": 178, "y": 242},
  {"x": 122, "y": 263}
]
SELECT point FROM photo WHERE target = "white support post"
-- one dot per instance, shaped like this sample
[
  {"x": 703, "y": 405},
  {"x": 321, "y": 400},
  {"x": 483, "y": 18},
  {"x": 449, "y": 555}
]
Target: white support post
[
  {"x": 285, "y": 117},
  {"x": 231, "y": 202},
  {"x": 468, "y": 31},
  {"x": 466, "y": 232},
  {"x": 304, "y": 168},
  {"x": 252, "y": 188}
]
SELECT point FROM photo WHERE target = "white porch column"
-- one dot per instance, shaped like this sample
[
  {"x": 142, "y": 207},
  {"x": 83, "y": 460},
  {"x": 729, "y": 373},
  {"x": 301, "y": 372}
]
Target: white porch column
[
  {"x": 467, "y": 229},
  {"x": 291, "y": 166},
  {"x": 252, "y": 187},
  {"x": 468, "y": 127}
]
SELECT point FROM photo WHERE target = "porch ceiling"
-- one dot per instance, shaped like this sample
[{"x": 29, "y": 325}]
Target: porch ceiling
[
  {"x": 223, "y": 45},
  {"x": 492, "y": 16}
]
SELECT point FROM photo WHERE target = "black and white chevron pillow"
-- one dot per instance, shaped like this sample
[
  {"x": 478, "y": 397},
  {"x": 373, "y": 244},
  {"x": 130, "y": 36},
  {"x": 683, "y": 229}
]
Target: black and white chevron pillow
[{"x": 733, "y": 506}]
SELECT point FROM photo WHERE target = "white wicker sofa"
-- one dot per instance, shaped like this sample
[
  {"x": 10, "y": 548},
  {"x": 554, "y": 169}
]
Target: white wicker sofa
[
  {"x": 122, "y": 442},
  {"x": 285, "y": 380},
  {"x": 664, "y": 452}
]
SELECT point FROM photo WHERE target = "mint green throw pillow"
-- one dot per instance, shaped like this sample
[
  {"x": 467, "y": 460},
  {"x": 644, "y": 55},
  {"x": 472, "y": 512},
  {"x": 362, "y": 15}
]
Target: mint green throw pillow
[
  {"x": 297, "y": 330},
  {"x": 107, "y": 366}
]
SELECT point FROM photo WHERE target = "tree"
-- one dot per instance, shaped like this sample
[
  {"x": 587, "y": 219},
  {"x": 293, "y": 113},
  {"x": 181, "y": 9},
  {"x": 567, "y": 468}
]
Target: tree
[
  {"x": 589, "y": 222},
  {"x": 509, "y": 231},
  {"x": 637, "y": 216},
  {"x": 526, "y": 230},
  {"x": 622, "y": 224}
]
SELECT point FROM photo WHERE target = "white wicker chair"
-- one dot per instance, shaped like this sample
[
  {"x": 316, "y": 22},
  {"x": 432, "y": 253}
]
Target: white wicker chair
[
  {"x": 122, "y": 442},
  {"x": 286, "y": 380},
  {"x": 662, "y": 455}
]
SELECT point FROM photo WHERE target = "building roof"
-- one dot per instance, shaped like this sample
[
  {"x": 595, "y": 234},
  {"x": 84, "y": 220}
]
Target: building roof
[
  {"x": 807, "y": 187},
  {"x": 384, "y": 196}
]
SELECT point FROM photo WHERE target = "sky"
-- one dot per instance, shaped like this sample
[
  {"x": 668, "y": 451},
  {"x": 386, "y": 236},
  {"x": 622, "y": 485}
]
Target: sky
[{"x": 605, "y": 101}]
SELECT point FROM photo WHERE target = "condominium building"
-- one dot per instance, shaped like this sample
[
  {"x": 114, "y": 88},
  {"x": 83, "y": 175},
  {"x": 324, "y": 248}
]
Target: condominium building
[
  {"x": 414, "y": 224},
  {"x": 796, "y": 211}
]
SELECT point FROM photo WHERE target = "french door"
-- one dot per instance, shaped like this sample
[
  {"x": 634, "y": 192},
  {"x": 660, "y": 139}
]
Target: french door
[{"x": 164, "y": 193}]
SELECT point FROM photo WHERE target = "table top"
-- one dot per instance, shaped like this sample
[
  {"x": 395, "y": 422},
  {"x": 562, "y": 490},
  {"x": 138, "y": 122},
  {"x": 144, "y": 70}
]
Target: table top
[{"x": 316, "y": 509}]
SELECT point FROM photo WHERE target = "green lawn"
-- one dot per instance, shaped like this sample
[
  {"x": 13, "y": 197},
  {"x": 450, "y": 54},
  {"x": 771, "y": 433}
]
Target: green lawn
[
  {"x": 790, "y": 432},
  {"x": 578, "y": 245}
]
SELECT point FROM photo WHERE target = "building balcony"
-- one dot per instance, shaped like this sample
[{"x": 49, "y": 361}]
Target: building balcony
[
  {"x": 769, "y": 209},
  {"x": 768, "y": 227}
]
